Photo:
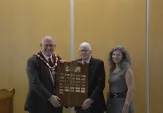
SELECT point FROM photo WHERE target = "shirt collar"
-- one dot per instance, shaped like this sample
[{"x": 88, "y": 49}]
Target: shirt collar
[
  {"x": 87, "y": 61},
  {"x": 46, "y": 57}
]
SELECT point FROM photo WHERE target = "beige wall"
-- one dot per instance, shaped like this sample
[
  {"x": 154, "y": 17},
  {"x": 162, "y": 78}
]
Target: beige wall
[
  {"x": 22, "y": 25},
  {"x": 156, "y": 55},
  {"x": 103, "y": 23}
]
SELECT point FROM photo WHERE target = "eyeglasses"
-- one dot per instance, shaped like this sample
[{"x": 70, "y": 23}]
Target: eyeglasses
[
  {"x": 84, "y": 50},
  {"x": 50, "y": 45}
]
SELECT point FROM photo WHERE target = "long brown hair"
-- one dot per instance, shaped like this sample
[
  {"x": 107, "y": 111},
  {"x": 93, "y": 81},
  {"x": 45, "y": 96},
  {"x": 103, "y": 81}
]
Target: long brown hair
[{"x": 125, "y": 62}]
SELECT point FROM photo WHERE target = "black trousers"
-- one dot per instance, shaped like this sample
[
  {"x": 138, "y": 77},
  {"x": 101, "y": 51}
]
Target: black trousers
[
  {"x": 43, "y": 110},
  {"x": 89, "y": 110}
]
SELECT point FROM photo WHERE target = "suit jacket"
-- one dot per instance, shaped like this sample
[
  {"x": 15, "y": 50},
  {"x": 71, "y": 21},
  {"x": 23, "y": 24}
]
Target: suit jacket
[
  {"x": 41, "y": 87},
  {"x": 96, "y": 84}
]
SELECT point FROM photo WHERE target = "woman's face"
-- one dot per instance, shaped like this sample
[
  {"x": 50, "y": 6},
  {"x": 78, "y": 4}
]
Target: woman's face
[{"x": 117, "y": 56}]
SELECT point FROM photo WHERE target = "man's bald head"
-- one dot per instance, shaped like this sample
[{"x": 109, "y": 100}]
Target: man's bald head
[
  {"x": 47, "y": 38},
  {"x": 47, "y": 45}
]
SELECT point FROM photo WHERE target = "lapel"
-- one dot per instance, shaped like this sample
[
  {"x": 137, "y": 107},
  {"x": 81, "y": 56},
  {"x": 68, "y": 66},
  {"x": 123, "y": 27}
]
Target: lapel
[
  {"x": 46, "y": 68},
  {"x": 90, "y": 70},
  {"x": 49, "y": 74}
]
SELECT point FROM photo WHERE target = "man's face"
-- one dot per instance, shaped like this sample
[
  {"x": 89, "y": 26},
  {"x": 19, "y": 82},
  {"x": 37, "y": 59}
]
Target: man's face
[
  {"x": 48, "y": 47},
  {"x": 85, "y": 52}
]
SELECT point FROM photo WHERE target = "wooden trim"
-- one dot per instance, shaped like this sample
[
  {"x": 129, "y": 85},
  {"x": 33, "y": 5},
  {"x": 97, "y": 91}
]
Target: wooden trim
[{"x": 7, "y": 93}]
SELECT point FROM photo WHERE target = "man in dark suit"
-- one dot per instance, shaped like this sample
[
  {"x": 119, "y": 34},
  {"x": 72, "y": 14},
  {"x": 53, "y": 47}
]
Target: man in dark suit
[
  {"x": 41, "y": 70},
  {"x": 95, "y": 102}
]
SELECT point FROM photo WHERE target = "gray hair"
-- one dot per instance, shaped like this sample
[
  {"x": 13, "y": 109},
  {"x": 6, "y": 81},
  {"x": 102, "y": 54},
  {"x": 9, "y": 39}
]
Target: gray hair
[{"x": 85, "y": 44}]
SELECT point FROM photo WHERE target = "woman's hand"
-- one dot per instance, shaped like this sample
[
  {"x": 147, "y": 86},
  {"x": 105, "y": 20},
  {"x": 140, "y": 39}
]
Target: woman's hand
[{"x": 125, "y": 108}]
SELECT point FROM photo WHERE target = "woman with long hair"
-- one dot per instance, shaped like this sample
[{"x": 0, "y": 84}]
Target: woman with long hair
[{"x": 121, "y": 82}]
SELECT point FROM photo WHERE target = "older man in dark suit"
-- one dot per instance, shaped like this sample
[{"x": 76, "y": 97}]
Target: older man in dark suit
[
  {"x": 95, "y": 102},
  {"x": 41, "y": 70}
]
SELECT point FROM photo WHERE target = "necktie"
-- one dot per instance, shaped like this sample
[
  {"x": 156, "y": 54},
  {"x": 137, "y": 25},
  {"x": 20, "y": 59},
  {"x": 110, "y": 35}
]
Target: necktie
[
  {"x": 50, "y": 62},
  {"x": 83, "y": 62},
  {"x": 52, "y": 75}
]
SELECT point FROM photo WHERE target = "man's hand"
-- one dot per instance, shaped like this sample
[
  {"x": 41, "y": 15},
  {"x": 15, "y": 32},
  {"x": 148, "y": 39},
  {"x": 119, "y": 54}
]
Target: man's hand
[
  {"x": 87, "y": 103},
  {"x": 54, "y": 101},
  {"x": 63, "y": 61}
]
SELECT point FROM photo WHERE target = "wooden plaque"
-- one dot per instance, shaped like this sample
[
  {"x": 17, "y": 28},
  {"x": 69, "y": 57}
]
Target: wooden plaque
[{"x": 72, "y": 83}]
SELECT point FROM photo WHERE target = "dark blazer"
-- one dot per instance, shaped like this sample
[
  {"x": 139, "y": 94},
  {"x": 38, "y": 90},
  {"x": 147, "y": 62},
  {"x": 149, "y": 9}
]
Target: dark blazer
[
  {"x": 96, "y": 84},
  {"x": 41, "y": 87}
]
